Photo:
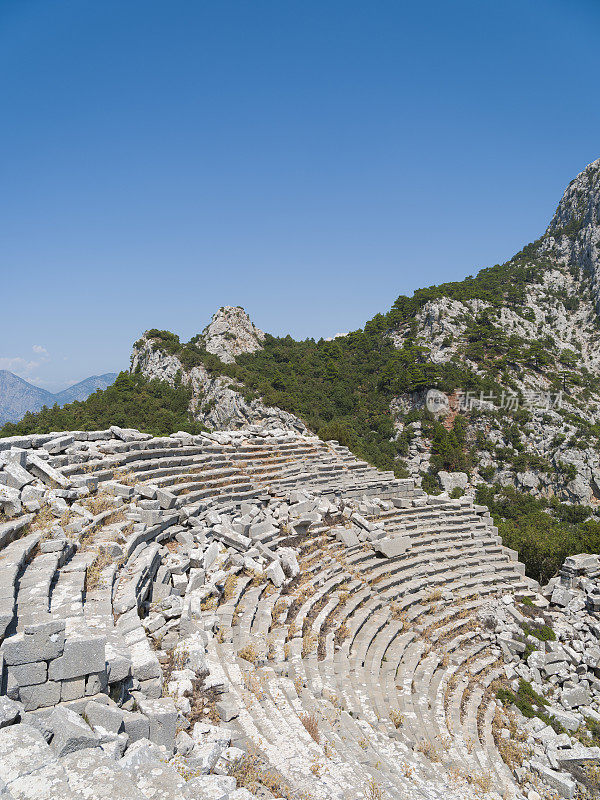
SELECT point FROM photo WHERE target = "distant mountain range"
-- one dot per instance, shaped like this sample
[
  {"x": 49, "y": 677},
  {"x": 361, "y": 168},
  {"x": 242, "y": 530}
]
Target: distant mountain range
[{"x": 18, "y": 396}]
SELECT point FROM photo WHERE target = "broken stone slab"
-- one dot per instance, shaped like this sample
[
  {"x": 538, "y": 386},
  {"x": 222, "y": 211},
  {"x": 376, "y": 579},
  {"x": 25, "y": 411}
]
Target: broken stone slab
[
  {"x": 16, "y": 455},
  {"x": 59, "y": 445},
  {"x": 561, "y": 782},
  {"x": 568, "y": 720},
  {"x": 129, "y": 434},
  {"x": 10, "y": 711},
  {"x": 162, "y": 715},
  {"x": 156, "y": 517},
  {"x": 561, "y": 596},
  {"x": 146, "y": 490},
  {"x": 275, "y": 574},
  {"x": 347, "y": 536},
  {"x": 90, "y": 482},
  {"x": 212, "y": 518},
  {"x": 166, "y": 499},
  {"x": 362, "y": 522},
  {"x": 392, "y": 546},
  {"x": 577, "y": 696},
  {"x": 118, "y": 489},
  {"x": 203, "y": 758},
  {"x": 210, "y": 555},
  {"x": 142, "y": 752},
  {"x": 104, "y": 716},
  {"x": 70, "y": 731},
  {"x": 10, "y": 500},
  {"x": 9, "y": 531},
  {"x": 289, "y": 561},
  {"x": 231, "y": 538},
  {"x": 135, "y": 725},
  {"x": 118, "y": 664},
  {"x": 144, "y": 662},
  {"x": 262, "y": 530},
  {"x": 577, "y": 754},
  {"x": 227, "y": 709},
  {"x": 47, "y": 474},
  {"x": 191, "y": 652},
  {"x": 16, "y": 476}
]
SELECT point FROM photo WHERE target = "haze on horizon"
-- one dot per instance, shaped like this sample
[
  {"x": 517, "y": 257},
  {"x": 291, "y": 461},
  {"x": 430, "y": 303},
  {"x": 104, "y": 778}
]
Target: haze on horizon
[{"x": 308, "y": 161}]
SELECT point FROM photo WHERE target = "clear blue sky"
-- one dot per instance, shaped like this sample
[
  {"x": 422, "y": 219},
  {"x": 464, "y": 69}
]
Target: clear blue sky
[{"x": 307, "y": 160}]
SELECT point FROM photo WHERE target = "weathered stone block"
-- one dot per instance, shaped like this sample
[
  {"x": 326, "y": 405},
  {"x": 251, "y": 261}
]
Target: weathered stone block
[
  {"x": 108, "y": 717},
  {"x": 72, "y": 689},
  {"x": 260, "y": 529},
  {"x": 347, "y": 536},
  {"x": 144, "y": 663},
  {"x": 162, "y": 715},
  {"x": 577, "y": 696},
  {"x": 166, "y": 499},
  {"x": 136, "y": 725},
  {"x": 96, "y": 683},
  {"x": 275, "y": 574},
  {"x": 10, "y": 711},
  {"x": 71, "y": 732},
  {"x": 29, "y": 674},
  {"x": 41, "y": 695},
  {"x": 83, "y": 654},
  {"x": 391, "y": 546},
  {"x": 26, "y": 648}
]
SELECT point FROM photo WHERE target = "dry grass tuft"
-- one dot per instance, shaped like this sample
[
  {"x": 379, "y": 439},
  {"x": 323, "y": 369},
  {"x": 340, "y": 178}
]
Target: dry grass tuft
[
  {"x": 397, "y": 718},
  {"x": 251, "y": 773},
  {"x": 374, "y": 790},
  {"x": 94, "y": 571},
  {"x": 249, "y": 653},
  {"x": 99, "y": 503},
  {"x": 309, "y": 642},
  {"x": 342, "y": 633},
  {"x": 428, "y": 749},
  {"x": 311, "y": 723}
]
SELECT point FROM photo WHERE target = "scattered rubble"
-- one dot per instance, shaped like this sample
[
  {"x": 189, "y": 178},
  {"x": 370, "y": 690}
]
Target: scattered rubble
[{"x": 258, "y": 614}]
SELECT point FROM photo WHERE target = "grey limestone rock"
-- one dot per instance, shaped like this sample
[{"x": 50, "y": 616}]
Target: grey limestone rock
[
  {"x": 70, "y": 732},
  {"x": 10, "y": 711}
]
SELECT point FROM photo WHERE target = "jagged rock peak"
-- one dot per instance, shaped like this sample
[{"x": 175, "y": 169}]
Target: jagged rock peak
[
  {"x": 580, "y": 202},
  {"x": 573, "y": 235},
  {"x": 231, "y": 332}
]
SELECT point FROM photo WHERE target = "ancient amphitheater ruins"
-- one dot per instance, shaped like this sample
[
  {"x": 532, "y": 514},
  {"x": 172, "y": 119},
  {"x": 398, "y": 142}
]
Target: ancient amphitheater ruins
[{"x": 260, "y": 614}]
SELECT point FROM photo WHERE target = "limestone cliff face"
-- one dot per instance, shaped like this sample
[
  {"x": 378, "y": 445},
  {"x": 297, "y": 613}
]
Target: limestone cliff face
[
  {"x": 573, "y": 236},
  {"x": 561, "y": 311},
  {"x": 216, "y": 400},
  {"x": 230, "y": 333}
]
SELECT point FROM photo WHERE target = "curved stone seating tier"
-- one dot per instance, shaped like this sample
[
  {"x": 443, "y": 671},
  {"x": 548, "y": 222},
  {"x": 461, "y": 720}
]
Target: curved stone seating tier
[{"x": 353, "y": 675}]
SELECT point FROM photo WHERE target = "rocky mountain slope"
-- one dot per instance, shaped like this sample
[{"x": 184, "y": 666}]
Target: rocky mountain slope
[
  {"x": 214, "y": 401},
  {"x": 488, "y": 386},
  {"x": 18, "y": 396},
  {"x": 521, "y": 338}
]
